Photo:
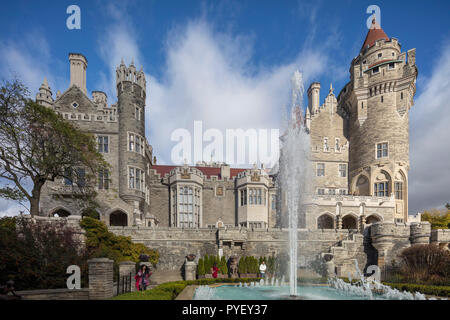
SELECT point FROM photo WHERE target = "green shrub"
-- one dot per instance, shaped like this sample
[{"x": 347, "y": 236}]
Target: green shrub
[
  {"x": 105, "y": 244},
  {"x": 223, "y": 266},
  {"x": 442, "y": 291},
  {"x": 242, "y": 267},
  {"x": 170, "y": 290},
  {"x": 201, "y": 267}
]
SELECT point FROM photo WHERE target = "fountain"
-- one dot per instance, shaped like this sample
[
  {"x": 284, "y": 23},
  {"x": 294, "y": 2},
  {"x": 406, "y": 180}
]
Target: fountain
[{"x": 293, "y": 172}]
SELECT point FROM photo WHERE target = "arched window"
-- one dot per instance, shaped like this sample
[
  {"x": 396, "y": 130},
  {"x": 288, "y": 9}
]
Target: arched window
[
  {"x": 372, "y": 219},
  {"x": 325, "y": 221},
  {"x": 362, "y": 186},
  {"x": 61, "y": 213},
  {"x": 349, "y": 222},
  {"x": 118, "y": 219}
]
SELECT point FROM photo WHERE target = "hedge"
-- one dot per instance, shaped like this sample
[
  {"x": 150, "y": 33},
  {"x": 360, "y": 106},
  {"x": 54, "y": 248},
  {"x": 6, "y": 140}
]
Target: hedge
[
  {"x": 170, "y": 290},
  {"x": 441, "y": 291}
]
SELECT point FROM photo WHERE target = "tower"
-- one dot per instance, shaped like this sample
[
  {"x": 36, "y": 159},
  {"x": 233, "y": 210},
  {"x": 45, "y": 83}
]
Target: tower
[
  {"x": 376, "y": 102},
  {"x": 131, "y": 92},
  {"x": 78, "y": 66},
  {"x": 44, "y": 97}
]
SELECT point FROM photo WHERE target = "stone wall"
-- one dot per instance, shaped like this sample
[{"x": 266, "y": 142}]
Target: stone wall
[{"x": 55, "y": 294}]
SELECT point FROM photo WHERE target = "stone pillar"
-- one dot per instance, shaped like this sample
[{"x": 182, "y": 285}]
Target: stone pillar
[
  {"x": 125, "y": 269},
  {"x": 420, "y": 233},
  {"x": 339, "y": 222},
  {"x": 383, "y": 240},
  {"x": 190, "y": 270},
  {"x": 100, "y": 278}
]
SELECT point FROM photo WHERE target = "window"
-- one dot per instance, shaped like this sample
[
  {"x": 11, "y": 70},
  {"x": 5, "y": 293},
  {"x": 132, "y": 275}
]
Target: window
[
  {"x": 325, "y": 144},
  {"x": 321, "y": 192},
  {"x": 186, "y": 208},
  {"x": 103, "y": 179},
  {"x": 401, "y": 95},
  {"x": 382, "y": 150},
  {"x": 342, "y": 170},
  {"x": 380, "y": 54},
  {"x": 320, "y": 169},
  {"x": 136, "y": 179},
  {"x": 381, "y": 189},
  {"x": 131, "y": 142},
  {"x": 274, "y": 202},
  {"x": 131, "y": 178},
  {"x": 391, "y": 65},
  {"x": 243, "y": 197},
  {"x": 398, "y": 190},
  {"x": 332, "y": 191},
  {"x": 138, "y": 144},
  {"x": 103, "y": 144},
  {"x": 364, "y": 62},
  {"x": 68, "y": 177},
  {"x": 375, "y": 70},
  {"x": 382, "y": 100},
  {"x": 137, "y": 113},
  {"x": 342, "y": 192},
  {"x": 75, "y": 104},
  {"x": 337, "y": 146}
]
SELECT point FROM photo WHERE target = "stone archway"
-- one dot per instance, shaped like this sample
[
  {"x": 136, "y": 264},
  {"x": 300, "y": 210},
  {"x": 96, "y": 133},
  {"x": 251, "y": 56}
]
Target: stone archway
[
  {"x": 325, "y": 221},
  {"x": 372, "y": 219},
  {"x": 362, "y": 187},
  {"x": 62, "y": 213},
  {"x": 118, "y": 218},
  {"x": 349, "y": 222}
]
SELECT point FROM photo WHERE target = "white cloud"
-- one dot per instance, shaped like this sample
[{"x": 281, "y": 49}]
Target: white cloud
[{"x": 429, "y": 139}]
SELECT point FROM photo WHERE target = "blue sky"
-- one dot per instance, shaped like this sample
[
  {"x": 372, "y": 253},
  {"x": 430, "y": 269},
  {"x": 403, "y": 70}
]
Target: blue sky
[{"x": 228, "y": 63}]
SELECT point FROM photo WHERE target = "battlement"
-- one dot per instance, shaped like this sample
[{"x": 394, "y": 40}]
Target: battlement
[{"x": 129, "y": 74}]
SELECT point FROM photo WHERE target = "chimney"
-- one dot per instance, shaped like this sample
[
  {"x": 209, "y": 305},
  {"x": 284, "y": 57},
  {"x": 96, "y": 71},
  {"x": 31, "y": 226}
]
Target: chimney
[
  {"x": 78, "y": 66},
  {"x": 225, "y": 171},
  {"x": 313, "y": 97}
]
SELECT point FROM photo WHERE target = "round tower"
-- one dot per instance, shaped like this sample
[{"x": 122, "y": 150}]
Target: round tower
[
  {"x": 377, "y": 101},
  {"x": 131, "y": 92},
  {"x": 44, "y": 96}
]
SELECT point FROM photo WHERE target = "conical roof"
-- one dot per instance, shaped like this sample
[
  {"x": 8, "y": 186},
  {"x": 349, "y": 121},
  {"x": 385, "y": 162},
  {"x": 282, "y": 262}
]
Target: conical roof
[{"x": 375, "y": 33}]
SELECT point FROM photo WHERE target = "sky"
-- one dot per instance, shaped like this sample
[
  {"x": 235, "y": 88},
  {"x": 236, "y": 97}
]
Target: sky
[{"x": 229, "y": 63}]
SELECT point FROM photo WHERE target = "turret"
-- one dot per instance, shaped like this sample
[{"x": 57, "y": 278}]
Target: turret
[
  {"x": 377, "y": 101},
  {"x": 313, "y": 97},
  {"x": 78, "y": 66},
  {"x": 44, "y": 97},
  {"x": 131, "y": 94}
]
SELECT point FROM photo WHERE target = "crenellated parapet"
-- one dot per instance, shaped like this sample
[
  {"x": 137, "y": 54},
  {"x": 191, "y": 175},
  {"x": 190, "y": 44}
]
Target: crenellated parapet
[{"x": 420, "y": 232}]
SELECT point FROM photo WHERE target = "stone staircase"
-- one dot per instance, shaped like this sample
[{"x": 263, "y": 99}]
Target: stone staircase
[{"x": 345, "y": 252}]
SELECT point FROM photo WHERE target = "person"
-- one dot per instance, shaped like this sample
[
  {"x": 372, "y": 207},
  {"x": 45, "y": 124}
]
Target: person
[
  {"x": 215, "y": 270},
  {"x": 142, "y": 278},
  {"x": 4, "y": 290},
  {"x": 262, "y": 269}
]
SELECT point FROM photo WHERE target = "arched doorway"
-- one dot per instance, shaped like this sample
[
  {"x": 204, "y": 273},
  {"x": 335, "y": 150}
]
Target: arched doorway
[
  {"x": 372, "y": 219},
  {"x": 62, "y": 213},
  {"x": 349, "y": 222},
  {"x": 118, "y": 219},
  {"x": 325, "y": 221},
  {"x": 362, "y": 187}
]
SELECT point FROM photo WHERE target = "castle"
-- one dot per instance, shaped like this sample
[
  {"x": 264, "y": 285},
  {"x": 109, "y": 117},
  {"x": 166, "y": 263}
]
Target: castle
[
  {"x": 359, "y": 150},
  {"x": 360, "y": 155}
]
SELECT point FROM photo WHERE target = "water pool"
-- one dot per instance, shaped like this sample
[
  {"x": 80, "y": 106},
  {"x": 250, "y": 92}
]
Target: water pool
[{"x": 233, "y": 292}]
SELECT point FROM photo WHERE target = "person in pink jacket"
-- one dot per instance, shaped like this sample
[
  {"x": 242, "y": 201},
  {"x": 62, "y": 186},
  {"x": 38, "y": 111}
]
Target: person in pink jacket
[{"x": 142, "y": 278}]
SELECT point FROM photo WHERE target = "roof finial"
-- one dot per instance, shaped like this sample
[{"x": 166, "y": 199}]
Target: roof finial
[
  {"x": 121, "y": 62},
  {"x": 132, "y": 62},
  {"x": 331, "y": 87}
]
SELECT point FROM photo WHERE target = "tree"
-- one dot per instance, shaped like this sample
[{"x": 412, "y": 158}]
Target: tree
[
  {"x": 438, "y": 219},
  {"x": 201, "y": 267},
  {"x": 37, "y": 145},
  {"x": 223, "y": 266}
]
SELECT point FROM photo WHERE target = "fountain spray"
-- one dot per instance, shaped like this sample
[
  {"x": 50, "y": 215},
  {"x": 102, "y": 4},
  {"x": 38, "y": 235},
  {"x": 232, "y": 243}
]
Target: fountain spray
[{"x": 294, "y": 163}]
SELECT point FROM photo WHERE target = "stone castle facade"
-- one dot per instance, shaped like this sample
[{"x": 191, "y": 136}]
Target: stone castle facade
[
  {"x": 358, "y": 207},
  {"x": 359, "y": 153}
]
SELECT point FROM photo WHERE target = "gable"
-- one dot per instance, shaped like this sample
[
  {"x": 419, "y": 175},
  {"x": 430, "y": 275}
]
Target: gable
[{"x": 72, "y": 96}]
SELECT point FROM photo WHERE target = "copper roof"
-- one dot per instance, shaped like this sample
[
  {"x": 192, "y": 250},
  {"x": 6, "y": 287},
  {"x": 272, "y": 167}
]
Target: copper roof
[{"x": 375, "y": 33}]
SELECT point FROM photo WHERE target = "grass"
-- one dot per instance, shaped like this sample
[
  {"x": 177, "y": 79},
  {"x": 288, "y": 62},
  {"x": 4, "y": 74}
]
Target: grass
[{"x": 170, "y": 290}]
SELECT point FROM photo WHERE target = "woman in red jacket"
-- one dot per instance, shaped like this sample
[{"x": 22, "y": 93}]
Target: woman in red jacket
[
  {"x": 142, "y": 278},
  {"x": 215, "y": 270}
]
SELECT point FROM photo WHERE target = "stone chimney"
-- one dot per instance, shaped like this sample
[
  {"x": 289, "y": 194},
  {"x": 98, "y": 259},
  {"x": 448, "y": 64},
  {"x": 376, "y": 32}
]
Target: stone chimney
[
  {"x": 78, "y": 66},
  {"x": 225, "y": 171}
]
